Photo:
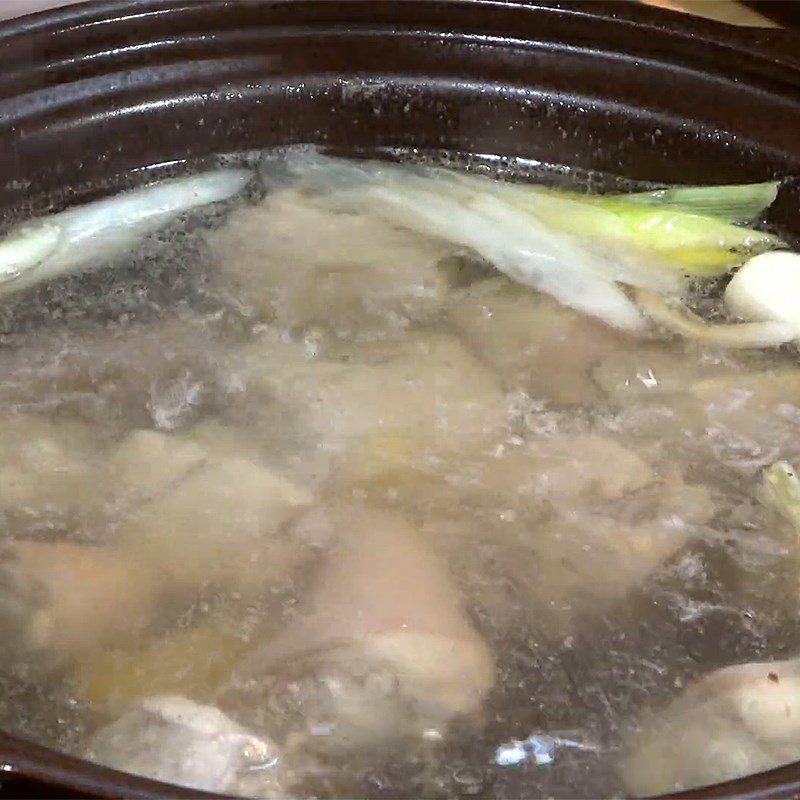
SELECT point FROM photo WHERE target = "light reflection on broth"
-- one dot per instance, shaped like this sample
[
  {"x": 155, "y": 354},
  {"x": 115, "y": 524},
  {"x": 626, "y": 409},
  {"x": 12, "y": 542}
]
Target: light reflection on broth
[{"x": 300, "y": 502}]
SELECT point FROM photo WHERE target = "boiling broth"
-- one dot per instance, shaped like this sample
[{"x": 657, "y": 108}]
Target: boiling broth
[{"x": 358, "y": 509}]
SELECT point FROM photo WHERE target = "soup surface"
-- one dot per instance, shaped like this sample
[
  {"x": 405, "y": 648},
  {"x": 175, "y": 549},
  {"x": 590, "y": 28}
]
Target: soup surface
[{"x": 301, "y": 500}]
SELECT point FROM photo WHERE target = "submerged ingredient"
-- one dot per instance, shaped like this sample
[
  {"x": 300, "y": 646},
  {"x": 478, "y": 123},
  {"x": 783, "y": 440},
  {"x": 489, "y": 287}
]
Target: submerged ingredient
[{"x": 333, "y": 489}]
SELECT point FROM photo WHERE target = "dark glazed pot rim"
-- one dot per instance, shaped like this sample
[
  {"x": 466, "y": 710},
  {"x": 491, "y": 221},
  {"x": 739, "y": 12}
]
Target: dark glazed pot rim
[{"x": 42, "y": 54}]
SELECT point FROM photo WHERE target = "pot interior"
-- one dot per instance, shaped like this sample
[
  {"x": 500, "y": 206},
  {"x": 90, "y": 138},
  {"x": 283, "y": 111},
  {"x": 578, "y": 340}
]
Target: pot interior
[{"x": 110, "y": 95}]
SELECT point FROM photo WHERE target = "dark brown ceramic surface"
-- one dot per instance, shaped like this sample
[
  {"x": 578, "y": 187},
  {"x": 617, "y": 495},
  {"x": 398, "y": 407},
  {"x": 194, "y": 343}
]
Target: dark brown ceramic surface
[
  {"x": 781, "y": 12},
  {"x": 96, "y": 90}
]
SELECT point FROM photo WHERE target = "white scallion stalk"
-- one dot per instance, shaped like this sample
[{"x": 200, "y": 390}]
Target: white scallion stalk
[
  {"x": 25, "y": 249},
  {"x": 581, "y": 250},
  {"x": 507, "y": 236},
  {"x": 94, "y": 235}
]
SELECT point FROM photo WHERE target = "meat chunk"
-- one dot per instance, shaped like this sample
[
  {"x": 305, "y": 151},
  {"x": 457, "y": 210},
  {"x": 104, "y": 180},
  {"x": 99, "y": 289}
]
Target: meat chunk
[
  {"x": 586, "y": 561},
  {"x": 753, "y": 415},
  {"x": 532, "y": 342},
  {"x": 734, "y": 722},
  {"x": 72, "y": 599},
  {"x": 217, "y": 518},
  {"x": 47, "y": 467},
  {"x": 170, "y": 738},
  {"x": 183, "y": 514},
  {"x": 147, "y": 463},
  {"x": 382, "y": 645},
  {"x": 561, "y": 468},
  {"x": 297, "y": 261},
  {"x": 427, "y": 386},
  {"x": 569, "y": 560},
  {"x": 646, "y": 370}
]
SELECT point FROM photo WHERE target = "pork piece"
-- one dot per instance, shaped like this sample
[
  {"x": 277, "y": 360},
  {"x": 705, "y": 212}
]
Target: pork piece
[
  {"x": 586, "y": 561},
  {"x": 753, "y": 416},
  {"x": 294, "y": 260},
  {"x": 427, "y": 388},
  {"x": 532, "y": 342},
  {"x": 48, "y": 469},
  {"x": 654, "y": 388},
  {"x": 645, "y": 370},
  {"x": 177, "y": 514},
  {"x": 71, "y": 598},
  {"x": 734, "y": 722},
  {"x": 51, "y": 483},
  {"x": 173, "y": 739},
  {"x": 577, "y": 559},
  {"x": 547, "y": 471},
  {"x": 217, "y": 519},
  {"x": 147, "y": 463},
  {"x": 579, "y": 520},
  {"x": 381, "y": 648},
  {"x": 560, "y": 468}
]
